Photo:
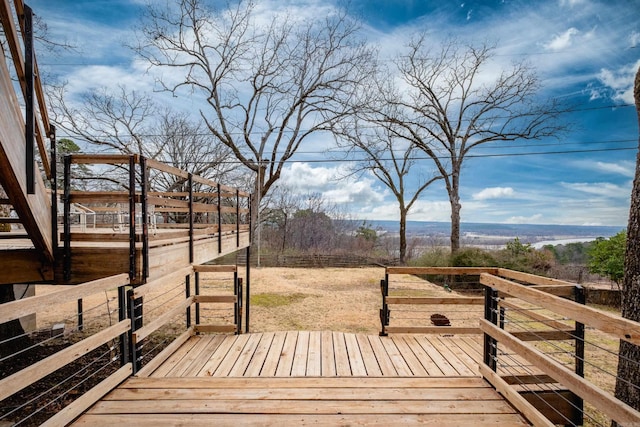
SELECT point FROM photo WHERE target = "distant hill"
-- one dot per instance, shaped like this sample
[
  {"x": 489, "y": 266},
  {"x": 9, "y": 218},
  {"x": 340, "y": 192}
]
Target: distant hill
[{"x": 497, "y": 233}]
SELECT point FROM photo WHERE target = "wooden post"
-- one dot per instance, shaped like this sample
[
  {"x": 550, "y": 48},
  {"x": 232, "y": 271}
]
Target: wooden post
[
  {"x": 145, "y": 219},
  {"x": 132, "y": 218},
  {"x": 190, "y": 183},
  {"x": 580, "y": 298},
  {"x": 219, "y": 219},
  {"x": 197, "y": 293},
  {"x": 248, "y": 297},
  {"x": 122, "y": 314},
  {"x": 66, "y": 218},
  {"x": 29, "y": 100},
  {"x": 491, "y": 315},
  {"x": 187, "y": 282},
  {"x": 54, "y": 187}
]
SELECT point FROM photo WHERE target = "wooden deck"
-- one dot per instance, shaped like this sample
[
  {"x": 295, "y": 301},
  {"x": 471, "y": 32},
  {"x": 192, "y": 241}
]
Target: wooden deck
[{"x": 326, "y": 378}]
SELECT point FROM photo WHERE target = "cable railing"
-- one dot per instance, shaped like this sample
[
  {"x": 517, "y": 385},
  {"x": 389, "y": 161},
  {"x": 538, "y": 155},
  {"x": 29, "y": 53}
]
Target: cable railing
[
  {"x": 91, "y": 337},
  {"x": 553, "y": 357}
]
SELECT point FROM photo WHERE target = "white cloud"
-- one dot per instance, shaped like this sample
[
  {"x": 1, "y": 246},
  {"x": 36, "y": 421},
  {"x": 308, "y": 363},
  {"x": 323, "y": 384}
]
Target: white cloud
[
  {"x": 625, "y": 168},
  {"x": 563, "y": 40},
  {"x": 493, "y": 193},
  {"x": 604, "y": 189},
  {"x": 330, "y": 182},
  {"x": 634, "y": 39},
  {"x": 533, "y": 219},
  {"x": 620, "y": 81},
  {"x": 571, "y": 3}
]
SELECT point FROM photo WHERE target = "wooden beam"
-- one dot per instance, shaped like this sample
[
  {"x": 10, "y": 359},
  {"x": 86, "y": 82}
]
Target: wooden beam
[
  {"x": 23, "y": 266},
  {"x": 532, "y": 278},
  {"x": 225, "y": 299},
  {"x": 566, "y": 291},
  {"x": 173, "y": 278},
  {"x": 17, "y": 309},
  {"x": 435, "y": 300},
  {"x": 527, "y": 379},
  {"x": 102, "y": 159},
  {"x": 451, "y": 271},
  {"x": 612, "y": 407},
  {"x": 454, "y": 330},
  {"x": 566, "y": 334},
  {"x": 513, "y": 397},
  {"x": 621, "y": 328},
  {"x": 206, "y": 268},
  {"x": 24, "y": 378}
]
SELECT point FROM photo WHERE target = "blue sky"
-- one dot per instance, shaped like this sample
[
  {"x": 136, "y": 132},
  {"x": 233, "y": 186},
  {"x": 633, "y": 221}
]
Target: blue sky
[{"x": 585, "y": 51}]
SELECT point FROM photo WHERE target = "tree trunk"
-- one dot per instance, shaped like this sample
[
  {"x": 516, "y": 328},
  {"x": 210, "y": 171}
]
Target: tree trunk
[
  {"x": 11, "y": 329},
  {"x": 403, "y": 235},
  {"x": 628, "y": 379},
  {"x": 454, "y": 200}
]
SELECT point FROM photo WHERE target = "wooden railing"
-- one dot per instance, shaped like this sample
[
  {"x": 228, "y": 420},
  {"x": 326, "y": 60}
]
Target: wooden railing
[
  {"x": 553, "y": 357},
  {"x": 154, "y": 319},
  {"x": 196, "y": 211}
]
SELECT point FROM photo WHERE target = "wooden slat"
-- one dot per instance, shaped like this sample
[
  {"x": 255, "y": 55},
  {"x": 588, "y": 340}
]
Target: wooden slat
[
  {"x": 453, "y": 330},
  {"x": 409, "y": 357},
  {"x": 273, "y": 356},
  {"x": 612, "y": 407},
  {"x": 232, "y": 356},
  {"x": 163, "y": 167},
  {"x": 439, "y": 359},
  {"x": 227, "y": 299},
  {"x": 314, "y": 357},
  {"x": 450, "y": 356},
  {"x": 355, "y": 356},
  {"x": 205, "y": 268},
  {"x": 384, "y": 361},
  {"x": 302, "y": 407},
  {"x": 102, "y": 159},
  {"x": 299, "y": 366},
  {"x": 278, "y": 420},
  {"x": 196, "y": 351},
  {"x": 532, "y": 278},
  {"x": 566, "y": 291},
  {"x": 368, "y": 356},
  {"x": 343, "y": 367},
  {"x": 88, "y": 398},
  {"x": 621, "y": 328},
  {"x": 396, "y": 357},
  {"x": 16, "y": 309},
  {"x": 196, "y": 365},
  {"x": 451, "y": 271},
  {"x": 242, "y": 361},
  {"x": 286, "y": 356},
  {"x": 174, "y": 278},
  {"x": 24, "y": 378},
  {"x": 260, "y": 355},
  {"x": 435, "y": 300},
  {"x": 306, "y": 382},
  {"x": 423, "y": 356},
  {"x": 328, "y": 359},
  {"x": 566, "y": 334},
  {"x": 216, "y": 358}
]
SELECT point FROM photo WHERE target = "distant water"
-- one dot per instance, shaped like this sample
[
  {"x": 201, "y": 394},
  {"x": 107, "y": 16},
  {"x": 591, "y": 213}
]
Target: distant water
[{"x": 528, "y": 233}]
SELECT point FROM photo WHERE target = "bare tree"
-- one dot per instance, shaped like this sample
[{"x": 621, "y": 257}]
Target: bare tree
[
  {"x": 628, "y": 378},
  {"x": 113, "y": 122},
  {"x": 450, "y": 106},
  {"x": 390, "y": 160},
  {"x": 264, "y": 88}
]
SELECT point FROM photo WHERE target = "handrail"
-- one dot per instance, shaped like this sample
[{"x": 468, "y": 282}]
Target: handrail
[{"x": 11, "y": 35}]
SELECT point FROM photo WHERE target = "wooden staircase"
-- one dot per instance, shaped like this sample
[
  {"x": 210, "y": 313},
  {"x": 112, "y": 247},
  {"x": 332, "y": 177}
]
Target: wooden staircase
[{"x": 25, "y": 194}]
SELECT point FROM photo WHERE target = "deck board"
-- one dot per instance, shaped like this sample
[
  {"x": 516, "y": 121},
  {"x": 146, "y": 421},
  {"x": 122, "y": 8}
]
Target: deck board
[{"x": 301, "y": 377}]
